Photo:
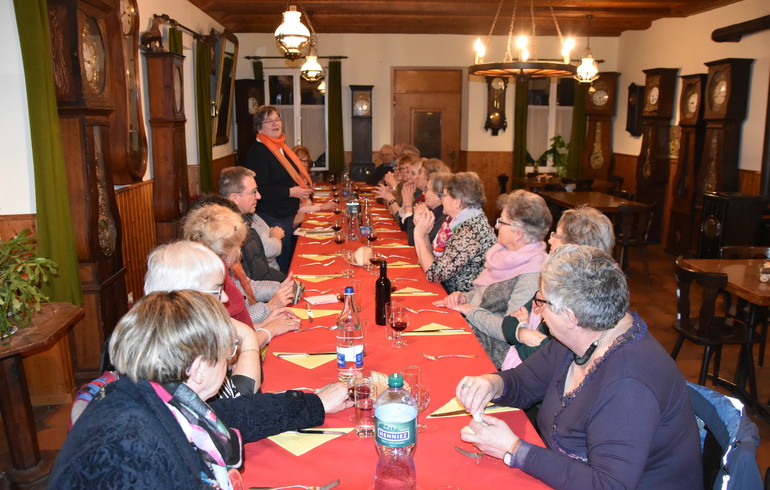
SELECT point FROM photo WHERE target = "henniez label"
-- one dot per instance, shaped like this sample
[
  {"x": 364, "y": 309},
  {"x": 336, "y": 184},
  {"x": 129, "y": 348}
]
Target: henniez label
[{"x": 396, "y": 434}]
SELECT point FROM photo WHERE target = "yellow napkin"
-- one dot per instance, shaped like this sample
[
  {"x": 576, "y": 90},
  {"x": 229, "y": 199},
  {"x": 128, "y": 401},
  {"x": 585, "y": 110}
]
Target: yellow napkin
[
  {"x": 308, "y": 362},
  {"x": 433, "y": 326},
  {"x": 298, "y": 444},
  {"x": 313, "y": 278},
  {"x": 319, "y": 258},
  {"x": 386, "y": 230},
  {"x": 315, "y": 222},
  {"x": 453, "y": 405},
  {"x": 302, "y": 312},
  {"x": 402, "y": 265},
  {"x": 392, "y": 245},
  {"x": 412, "y": 292}
]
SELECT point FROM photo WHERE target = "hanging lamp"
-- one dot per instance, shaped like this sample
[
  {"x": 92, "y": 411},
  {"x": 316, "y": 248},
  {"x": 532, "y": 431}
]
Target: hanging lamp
[
  {"x": 292, "y": 35},
  {"x": 588, "y": 71}
]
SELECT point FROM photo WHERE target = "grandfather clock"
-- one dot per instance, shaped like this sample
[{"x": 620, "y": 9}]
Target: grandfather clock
[
  {"x": 169, "y": 155},
  {"x": 685, "y": 214},
  {"x": 600, "y": 103},
  {"x": 87, "y": 55},
  {"x": 361, "y": 128},
  {"x": 652, "y": 167},
  {"x": 726, "y": 100}
]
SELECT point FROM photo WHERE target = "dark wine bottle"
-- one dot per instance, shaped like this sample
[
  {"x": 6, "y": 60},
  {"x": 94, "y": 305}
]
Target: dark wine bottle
[{"x": 381, "y": 294}]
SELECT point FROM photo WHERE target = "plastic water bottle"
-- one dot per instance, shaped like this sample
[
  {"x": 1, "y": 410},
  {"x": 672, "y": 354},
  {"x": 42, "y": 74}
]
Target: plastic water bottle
[
  {"x": 395, "y": 419},
  {"x": 350, "y": 340}
]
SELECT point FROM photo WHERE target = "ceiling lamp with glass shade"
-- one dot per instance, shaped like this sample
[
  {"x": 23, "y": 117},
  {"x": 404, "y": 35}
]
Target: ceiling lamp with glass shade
[
  {"x": 292, "y": 35},
  {"x": 321, "y": 87},
  {"x": 525, "y": 64},
  {"x": 588, "y": 71},
  {"x": 311, "y": 70}
]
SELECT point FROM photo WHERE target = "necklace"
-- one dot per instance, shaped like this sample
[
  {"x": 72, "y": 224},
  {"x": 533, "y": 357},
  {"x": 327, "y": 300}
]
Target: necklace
[{"x": 580, "y": 360}]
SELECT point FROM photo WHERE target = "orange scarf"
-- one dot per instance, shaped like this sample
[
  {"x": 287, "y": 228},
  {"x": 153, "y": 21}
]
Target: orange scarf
[{"x": 275, "y": 145}]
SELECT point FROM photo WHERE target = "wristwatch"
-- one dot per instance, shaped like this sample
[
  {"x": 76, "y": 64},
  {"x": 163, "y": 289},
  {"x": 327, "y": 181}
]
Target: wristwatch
[{"x": 508, "y": 458}]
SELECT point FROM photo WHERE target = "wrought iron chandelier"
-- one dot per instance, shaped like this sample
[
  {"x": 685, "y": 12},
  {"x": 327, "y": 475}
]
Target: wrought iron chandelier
[
  {"x": 297, "y": 41},
  {"x": 526, "y": 64},
  {"x": 588, "y": 71}
]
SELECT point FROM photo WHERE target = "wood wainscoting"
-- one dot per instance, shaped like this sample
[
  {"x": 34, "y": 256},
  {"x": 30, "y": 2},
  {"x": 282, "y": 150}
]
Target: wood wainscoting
[
  {"x": 194, "y": 174},
  {"x": 489, "y": 164},
  {"x": 138, "y": 223}
]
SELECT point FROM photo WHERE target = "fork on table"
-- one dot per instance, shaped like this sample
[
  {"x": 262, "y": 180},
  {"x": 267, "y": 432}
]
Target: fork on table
[
  {"x": 436, "y": 358},
  {"x": 320, "y": 263},
  {"x": 412, "y": 310}
]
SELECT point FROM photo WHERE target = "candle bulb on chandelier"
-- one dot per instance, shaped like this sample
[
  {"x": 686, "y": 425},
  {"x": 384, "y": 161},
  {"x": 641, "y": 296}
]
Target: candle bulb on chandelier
[
  {"x": 480, "y": 49},
  {"x": 521, "y": 45},
  {"x": 569, "y": 43}
]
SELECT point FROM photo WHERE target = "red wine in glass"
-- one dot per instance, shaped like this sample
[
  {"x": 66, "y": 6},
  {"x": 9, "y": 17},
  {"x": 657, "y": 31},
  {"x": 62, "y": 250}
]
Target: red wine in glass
[
  {"x": 371, "y": 236},
  {"x": 336, "y": 226},
  {"x": 337, "y": 210},
  {"x": 375, "y": 260},
  {"x": 339, "y": 240},
  {"x": 398, "y": 325}
]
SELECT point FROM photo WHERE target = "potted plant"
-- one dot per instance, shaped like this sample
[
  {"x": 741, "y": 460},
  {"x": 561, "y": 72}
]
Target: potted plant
[
  {"x": 22, "y": 273},
  {"x": 558, "y": 152}
]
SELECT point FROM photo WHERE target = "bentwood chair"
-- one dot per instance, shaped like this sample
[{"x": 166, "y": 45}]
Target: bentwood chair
[
  {"x": 633, "y": 230},
  {"x": 729, "y": 441},
  {"x": 707, "y": 329},
  {"x": 750, "y": 313}
]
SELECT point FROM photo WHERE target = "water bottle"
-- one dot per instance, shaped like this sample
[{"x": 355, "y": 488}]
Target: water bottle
[
  {"x": 395, "y": 419},
  {"x": 350, "y": 340},
  {"x": 381, "y": 294}
]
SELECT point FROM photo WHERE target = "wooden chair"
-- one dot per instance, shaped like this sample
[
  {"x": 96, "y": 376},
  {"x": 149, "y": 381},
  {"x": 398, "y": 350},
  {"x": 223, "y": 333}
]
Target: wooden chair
[
  {"x": 708, "y": 329},
  {"x": 621, "y": 194},
  {"x": 633, "y": 230},
  {"x": 748, "y": 312},
  {"x": 581, "y": 185}
]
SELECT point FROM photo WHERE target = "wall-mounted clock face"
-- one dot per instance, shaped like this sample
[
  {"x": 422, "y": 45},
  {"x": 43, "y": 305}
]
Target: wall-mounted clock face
[
  {"x": 653, "y": 96},
  {"x": 600, "y": 97},
  {"x": 693, "y": 98},
  {"x": 92, "y": 55},
  {"x": 495, "y": 120},
  {"x": 718, "y": 90},
  {"x": 497, "y": 83},
  {"x": 127, "y": 16}
]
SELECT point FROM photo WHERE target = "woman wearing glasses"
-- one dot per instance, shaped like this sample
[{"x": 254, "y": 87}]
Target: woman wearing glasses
[
  {"x": 511, "y": 272},
  {"x": 283, "y": 180},
  {"x": 615, "y": 409},
  {"x": 434, "y": 191}
]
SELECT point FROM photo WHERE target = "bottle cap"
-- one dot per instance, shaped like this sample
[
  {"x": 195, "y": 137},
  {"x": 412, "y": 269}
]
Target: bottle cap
[
  {"x": 395, "y": 380},
  {"x": 349, "y": 290}
]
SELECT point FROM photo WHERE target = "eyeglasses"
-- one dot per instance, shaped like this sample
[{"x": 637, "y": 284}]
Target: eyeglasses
[
  {"x": 236, "y": 343},
  {"x": 499, "y": 222},
  {"x": 251, "y": 192},
  {"x": 272, "y": 121},
  {"x": 539, "y": 302},
  {"x": 215, "y": 292}
]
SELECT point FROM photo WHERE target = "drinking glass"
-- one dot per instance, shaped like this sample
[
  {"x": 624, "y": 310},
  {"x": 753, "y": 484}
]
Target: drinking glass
[
  {"x": 421, "y": 395},
  {"x": 337, "y": 225},
  {"x": 398, "y": 321},
  {"x": 389, "y": 333},
  {"x": 347, "y": 263},
  {"x": 339, "y": 237},
  {"x": 364, "y": 400},
  {"x": 375, "y": 260},
  {"x": 412, "y": 377}
]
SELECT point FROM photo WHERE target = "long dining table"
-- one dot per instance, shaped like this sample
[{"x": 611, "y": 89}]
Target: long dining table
[
  {"x": 606, "y": 203},
  {"x": 350, "y": 458}
]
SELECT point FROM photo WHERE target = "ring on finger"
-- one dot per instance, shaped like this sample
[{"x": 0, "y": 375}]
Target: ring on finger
[{"x": 465, "y": 385}]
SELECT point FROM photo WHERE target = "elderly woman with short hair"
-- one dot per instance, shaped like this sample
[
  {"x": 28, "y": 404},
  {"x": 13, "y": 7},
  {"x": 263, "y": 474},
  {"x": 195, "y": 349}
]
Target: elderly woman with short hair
[
  {"x": 511, "y": 272},
  {"x": 434, "y": 191},
  {"x": 616, "y": 407},
  {"x": 456, "y": 256}
]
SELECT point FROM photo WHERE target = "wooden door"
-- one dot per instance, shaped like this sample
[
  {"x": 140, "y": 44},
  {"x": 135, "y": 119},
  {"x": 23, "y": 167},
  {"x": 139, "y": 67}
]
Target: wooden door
[{"x": 427, "y": 106}]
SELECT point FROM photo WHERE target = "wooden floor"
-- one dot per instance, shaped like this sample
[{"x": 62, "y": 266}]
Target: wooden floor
[{"x": 655, "y": 302}]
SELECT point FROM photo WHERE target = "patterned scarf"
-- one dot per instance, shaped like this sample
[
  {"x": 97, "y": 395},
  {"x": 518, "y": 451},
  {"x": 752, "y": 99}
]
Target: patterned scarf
[
  {"x": 502, "y": 264},
  {"x": 443, "y": 236},
  {"x": 297, "y": 172},
  {"x": 217, "y": 445}
]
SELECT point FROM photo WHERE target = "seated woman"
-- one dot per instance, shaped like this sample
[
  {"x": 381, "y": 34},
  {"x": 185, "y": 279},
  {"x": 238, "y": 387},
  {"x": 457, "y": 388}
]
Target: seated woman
[
  {"x": 397, "y": 183},
  {"x": 524, "y": 329},
  {"x": 152, "y": 427},
  {"x": 222, "y": 230},
  {"x": 616, "y": 407},
  {"x": 434, "y": 190},
  {"x": 456, "y": 257},
  {"x": 511, "y": 272}
]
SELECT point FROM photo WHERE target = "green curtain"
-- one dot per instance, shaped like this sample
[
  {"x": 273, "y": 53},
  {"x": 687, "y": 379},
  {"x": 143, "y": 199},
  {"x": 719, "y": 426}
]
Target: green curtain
[
  {"x": 175, "y": 40},
  {"x": 258, "y": 73},
  {"x": 336, "y": 156},
  {"x": 520, "y": 127},
  {"x": 55, "y": 236},
  {"x": 203, "y": 110},
  {"x": 577, "y": 140}
]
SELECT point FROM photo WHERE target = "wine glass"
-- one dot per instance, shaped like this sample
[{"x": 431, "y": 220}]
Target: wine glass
[
  {"x": 398, "y": 321},
  {"x": 337, "y": 225},
  {"x": 421, "y": 395},
  {"x": 339, "y": 237},
  {"x": 375, "y": 260},
  {"x": 372, "y": 236}
]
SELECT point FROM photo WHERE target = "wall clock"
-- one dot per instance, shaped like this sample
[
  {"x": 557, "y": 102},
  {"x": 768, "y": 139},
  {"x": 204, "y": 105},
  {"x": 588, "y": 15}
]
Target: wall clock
[
  {"x": 496, "y": 119},
  {"x": 634, "y": 109},
  {"x": 600, "y": 109},
  {"x": 361, "y": 127},
  {"x": 92, "y": 55},
  {"x": 652, "y": 167}
]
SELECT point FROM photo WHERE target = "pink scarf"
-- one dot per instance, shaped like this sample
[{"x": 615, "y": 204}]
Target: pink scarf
[
  {"x": 502, "y": 264},
  {"x": 442, "y": 237}
]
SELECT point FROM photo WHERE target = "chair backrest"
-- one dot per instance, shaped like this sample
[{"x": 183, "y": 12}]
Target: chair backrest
[
  {"x": 729, "y": 441},
  {"x": 635, "y": 223},
  {"x": 584, "y": 185},
  {"x": 711, "y": 283},
  {"x": 742, "y": 252}
]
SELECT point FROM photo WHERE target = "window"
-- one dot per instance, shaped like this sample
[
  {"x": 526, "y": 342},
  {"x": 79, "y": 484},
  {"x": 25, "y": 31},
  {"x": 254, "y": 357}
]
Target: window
[
  {"x": 304, "y": 122},
  {"x": 549, "y": 114}
]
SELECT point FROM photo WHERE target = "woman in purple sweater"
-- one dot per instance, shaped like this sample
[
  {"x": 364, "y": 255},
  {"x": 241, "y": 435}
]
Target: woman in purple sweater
[{"x": 615, "y": 409}]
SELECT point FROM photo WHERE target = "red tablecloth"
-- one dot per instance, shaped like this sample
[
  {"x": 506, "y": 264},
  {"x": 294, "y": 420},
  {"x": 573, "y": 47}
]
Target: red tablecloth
[{"x": 354, "y": 459}]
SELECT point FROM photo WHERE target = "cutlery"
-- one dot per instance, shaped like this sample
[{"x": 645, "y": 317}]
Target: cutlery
[
  {"x": 321, "y": 431},
  {"x": 333, "y": 327},
  {"x": 462, "y": 411},
  {"x": 412, "y": 310},
  {"x": 320, "y": 243},
  {"x": 400, "y": 257},
  {"x": 436, "y": 358},
  {"x": 305, "y": 354},
  {"x": 310, "y": 314},
  {"x": 320, "y": 263},
  {"x": 470, "y": 454},
  {"x": 319, "y": 291},
  {"x": 434, "y": 330},
  {"x": 306, "y": 487}
]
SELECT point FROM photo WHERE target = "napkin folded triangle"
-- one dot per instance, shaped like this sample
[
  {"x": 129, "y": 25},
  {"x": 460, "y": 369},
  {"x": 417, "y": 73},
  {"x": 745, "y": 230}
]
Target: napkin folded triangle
[{"x": 298, "y": 444}]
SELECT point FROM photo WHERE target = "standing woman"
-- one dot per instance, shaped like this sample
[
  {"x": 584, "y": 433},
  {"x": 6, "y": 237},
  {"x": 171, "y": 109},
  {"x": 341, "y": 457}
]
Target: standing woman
[
  {"x": 281, "y": 177},
  {"x": 456, "y": 256}
]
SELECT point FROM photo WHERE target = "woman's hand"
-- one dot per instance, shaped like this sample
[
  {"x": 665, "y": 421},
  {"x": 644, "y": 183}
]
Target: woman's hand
[
  {"x": 492, "y": 435},
  {"x": 407, "y": 194},
  {"x": 531, "y": 338},
  {"x": 289, "y": 281},
  {"x": 390, "y": 180},
  {"x": 383, "y": 192},
  {"x": 335, "y": 397},
  {"x": 280, "y": 325},
  {"x": 454, "y": 299},
  {"x": 281, "y": 298},
  {"x": 423, "y": 224},
  {"x": 298, "y": 192},
  {"x": 277, "y": 232},
  {"x": 522, "y": 314},
  {"x": 328, "y": 206},
  {"x": 474, "y": 392}
]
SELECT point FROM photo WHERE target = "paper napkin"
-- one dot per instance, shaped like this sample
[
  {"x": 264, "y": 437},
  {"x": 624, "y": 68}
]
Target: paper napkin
[
  {"x": 454, "y": 406},
  {"x": 324, "y": 299},
  {"x": 402, "y": 265},
  {"x": 308, "y": 362},
  {"x": 302, "y": 312},
  {"x": 433, "y": 326},
  {"x": 409, "y": 291},
  {"x": 298, "y": 444},
  {"x": 319, "y": 258},
  {"x": 392, "y": 245},
  {"x": 316, "y": 278}
]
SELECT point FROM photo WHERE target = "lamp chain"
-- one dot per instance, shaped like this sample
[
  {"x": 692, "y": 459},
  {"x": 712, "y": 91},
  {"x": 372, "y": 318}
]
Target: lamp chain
[
  {"x": 494, "y": 23},
  {"x": 508, "y": 55},
  {"x": 532, "y": 16},
  {"x": 556, "y": 23}
]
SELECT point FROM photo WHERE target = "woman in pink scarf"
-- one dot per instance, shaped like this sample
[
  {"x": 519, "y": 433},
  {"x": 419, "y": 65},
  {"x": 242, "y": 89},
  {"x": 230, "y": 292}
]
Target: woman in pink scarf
[{"x": 511, "y": 274}]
